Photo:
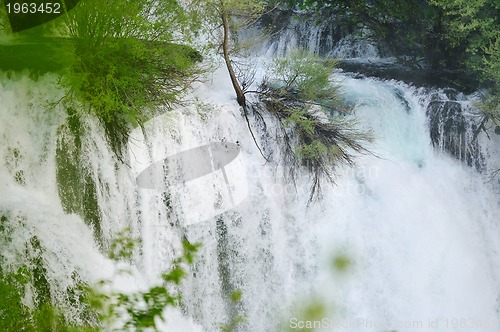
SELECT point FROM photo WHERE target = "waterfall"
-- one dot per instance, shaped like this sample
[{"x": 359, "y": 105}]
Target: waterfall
[
  {"x": 327, "y": 38},
  {"x": 35, "y": 229},
  {"x": 417, "y": 223},
  {"x": 323, "y": 39}
]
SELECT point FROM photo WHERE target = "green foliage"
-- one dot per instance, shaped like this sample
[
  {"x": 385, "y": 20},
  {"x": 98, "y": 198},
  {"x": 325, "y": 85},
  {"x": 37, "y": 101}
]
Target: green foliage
[
  {"x": 475, "y": 19},
  {"x": 123, "y": 245},
  {"x": 444, "y": 34},
  {"x": 306, "y": 76},
  {"x": 120, "y": 60},
  {"x": 314, "y": 311},
  {"x": 125, "y": 63},
  {"x": 310, "y": 152},
  {"x": 5, "y": 29},
  {"x": 96, "y": 21},
  {"x": 27, "y": 303},
  {"x": 15, "y": 315},
  {"x": 40, "y": 55},
  {"x": 125, "y": 78},
  {"x": 228, "y": 17},
  {"x": 393, "y": 23},
  {"x": 450, "y": 35},
  {"x": 491, "y": 61},
  {"x": 236, "y": 296},
  {"x": 476, "y": 24},
  {"x": 236, "y": 320},
  {"x": 233, "y": 325},
  {"x": 240, "y": 12},
  {"x": 75, "y": 183},
  {"x": 139, "y": 311},
  {"x": 490, "y": 112},
  {"x": 304, "y": 123},
  {"x": 298, "y": 91},
  {"x": 341, "y": 263},
  {"x": 307, "y": 311},
  {"x": 189, "y": 251}
]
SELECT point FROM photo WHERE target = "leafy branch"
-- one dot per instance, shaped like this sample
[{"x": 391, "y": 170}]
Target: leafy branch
[
  {"x": 301, "y": 97},
  {"x": 140, "y": 310}
]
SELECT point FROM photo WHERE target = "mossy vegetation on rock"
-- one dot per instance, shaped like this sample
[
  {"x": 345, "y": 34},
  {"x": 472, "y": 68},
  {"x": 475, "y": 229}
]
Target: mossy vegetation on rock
[
  {"x": 76, "y": 186},
  {"x": 27, "y": 295}
]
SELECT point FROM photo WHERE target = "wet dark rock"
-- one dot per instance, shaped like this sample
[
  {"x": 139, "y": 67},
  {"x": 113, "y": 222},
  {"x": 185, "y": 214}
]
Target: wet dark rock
[
  {"x": 453, "y": 129},
  {"x": 400, "y": 95},
  {"x": 420, "y": 77}
]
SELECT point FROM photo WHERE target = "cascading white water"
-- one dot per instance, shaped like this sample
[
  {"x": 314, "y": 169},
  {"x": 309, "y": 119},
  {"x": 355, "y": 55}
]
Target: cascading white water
[
  {"x": 419, "y": 226},
  {"x": 325, "y": 38},
  {"x": 37, "y": 232},
  {"x": 29, "y": 201}
]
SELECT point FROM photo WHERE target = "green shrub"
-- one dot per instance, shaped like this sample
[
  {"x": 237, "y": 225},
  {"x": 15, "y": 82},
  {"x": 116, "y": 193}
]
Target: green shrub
[
  {"x": 125, "y": 62},
  {"x": 139, "y": 310},
  {"x": 323, "y": 136}
]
